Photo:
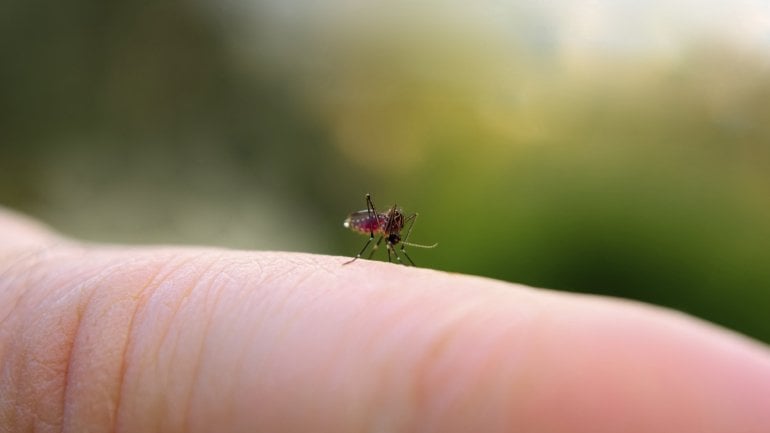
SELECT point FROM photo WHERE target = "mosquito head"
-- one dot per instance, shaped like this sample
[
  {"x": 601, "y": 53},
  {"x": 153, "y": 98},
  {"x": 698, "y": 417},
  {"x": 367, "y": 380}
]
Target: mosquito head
[{"x": 394, "y": 238}]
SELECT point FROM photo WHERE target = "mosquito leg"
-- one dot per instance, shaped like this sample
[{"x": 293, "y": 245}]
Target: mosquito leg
[
  {"x": 370, "y": 203},
  {"x": 374, "y": 248},
  {"x": 370, "y": 211},
  {"x": 403, "y": 251},
  {"x": 395, "y": 253},
  {"x": 358, "y": 256},
  {"x": 390, "y": 247},
  {"x": 410, "y": 219},
  {"x": 389, "y": 218}
]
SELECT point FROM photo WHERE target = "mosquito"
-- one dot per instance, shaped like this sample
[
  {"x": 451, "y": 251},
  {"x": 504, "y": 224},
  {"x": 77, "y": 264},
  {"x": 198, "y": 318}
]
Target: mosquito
[{"x": 388, "y": 225}]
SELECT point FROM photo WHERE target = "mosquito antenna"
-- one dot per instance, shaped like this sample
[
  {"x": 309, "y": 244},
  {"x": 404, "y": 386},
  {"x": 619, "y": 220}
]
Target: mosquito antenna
[{"x": 410, "y": 244}]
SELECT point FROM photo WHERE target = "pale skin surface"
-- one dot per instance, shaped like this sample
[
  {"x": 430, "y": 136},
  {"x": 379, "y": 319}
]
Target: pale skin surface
[{"x": 112, "y": 338}]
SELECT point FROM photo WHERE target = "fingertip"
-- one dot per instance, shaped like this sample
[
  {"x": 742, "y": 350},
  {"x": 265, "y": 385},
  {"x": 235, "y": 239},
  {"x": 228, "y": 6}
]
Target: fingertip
[{"x": 607, "y": 365}]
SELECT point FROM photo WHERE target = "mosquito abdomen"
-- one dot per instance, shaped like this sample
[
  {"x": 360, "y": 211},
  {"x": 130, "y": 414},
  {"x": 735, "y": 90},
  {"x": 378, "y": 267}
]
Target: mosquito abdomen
[{"x": 365, "y": 222}]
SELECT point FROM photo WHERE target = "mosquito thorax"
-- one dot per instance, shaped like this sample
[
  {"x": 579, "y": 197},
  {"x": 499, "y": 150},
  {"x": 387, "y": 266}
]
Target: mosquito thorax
[{"x": 395, "y": 222}]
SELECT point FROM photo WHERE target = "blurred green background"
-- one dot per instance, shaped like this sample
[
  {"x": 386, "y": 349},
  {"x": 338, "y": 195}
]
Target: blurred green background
[{"x": 613, "y": 147}]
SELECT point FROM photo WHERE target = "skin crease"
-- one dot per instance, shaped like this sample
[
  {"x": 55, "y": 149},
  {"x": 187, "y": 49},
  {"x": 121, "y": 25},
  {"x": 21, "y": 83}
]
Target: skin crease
[{"x": 112, "y": 338}]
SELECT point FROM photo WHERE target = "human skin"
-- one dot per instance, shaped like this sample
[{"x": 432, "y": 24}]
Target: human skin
[{"x": 144, "y": 339}]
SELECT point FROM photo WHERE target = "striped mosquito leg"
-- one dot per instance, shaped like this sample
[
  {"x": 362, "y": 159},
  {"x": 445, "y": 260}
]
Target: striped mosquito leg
[
  {"x": 358, "y": 256},
  {"x": 370, "y": 212},
  {"x": 398, "y": 258},
  {"x": 374, "y": 248},
  {"x": 410, "y": 219},
  {"x": 403, "y": 251}
]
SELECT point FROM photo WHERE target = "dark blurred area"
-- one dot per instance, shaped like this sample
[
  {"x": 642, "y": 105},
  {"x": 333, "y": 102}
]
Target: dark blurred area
[{"x": 594, "y": 147}]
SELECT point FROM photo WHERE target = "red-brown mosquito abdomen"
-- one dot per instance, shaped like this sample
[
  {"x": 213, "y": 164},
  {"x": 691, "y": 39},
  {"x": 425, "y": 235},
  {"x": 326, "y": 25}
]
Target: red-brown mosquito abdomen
[{"x": 365, "y": 222}]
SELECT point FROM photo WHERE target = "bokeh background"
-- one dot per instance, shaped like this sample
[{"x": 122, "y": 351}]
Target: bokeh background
[{"x": 614, "y": 147}]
